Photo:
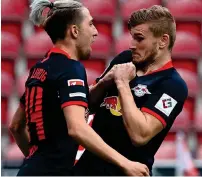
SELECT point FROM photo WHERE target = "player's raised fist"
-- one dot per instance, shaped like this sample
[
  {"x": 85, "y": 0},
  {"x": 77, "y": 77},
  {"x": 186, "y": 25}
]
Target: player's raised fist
[{"x": 124, "y": 72}]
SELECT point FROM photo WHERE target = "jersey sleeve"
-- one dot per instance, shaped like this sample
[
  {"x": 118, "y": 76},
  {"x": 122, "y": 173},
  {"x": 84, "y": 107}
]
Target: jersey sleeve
[
  {"x": 166, "y": 102},
  {"x": 73, "y": 87},
  {"x": 124, "y": 57}
]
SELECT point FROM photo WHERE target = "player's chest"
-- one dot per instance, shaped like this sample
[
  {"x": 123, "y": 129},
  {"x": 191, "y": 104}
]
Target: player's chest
[{"x": 140, "y": 89}]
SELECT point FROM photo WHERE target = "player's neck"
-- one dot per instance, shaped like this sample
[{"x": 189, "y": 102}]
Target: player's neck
[
  {"x": 157, "y": 64},
  {"x": 70, "y": 49}
]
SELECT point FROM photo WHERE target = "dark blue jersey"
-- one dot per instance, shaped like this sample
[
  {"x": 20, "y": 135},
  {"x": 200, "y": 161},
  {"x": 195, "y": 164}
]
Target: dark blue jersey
[
  {"x": 161, "y": 93},
  {"x": 54, "y": 83}
]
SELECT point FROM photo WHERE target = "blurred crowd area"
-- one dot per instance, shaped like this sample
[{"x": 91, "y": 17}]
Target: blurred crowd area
[{"x": 23, "y": 44}]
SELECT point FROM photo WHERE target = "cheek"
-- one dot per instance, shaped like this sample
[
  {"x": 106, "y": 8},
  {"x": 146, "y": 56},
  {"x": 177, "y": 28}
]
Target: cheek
[{"x": 147, "y": 47}]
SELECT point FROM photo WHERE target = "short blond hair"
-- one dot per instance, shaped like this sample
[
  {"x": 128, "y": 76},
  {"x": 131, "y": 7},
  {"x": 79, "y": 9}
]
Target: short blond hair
[{"x": 161, "y": 20}]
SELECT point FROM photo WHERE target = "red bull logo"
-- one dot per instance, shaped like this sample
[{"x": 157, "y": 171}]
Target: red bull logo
[{"x": 113, "y": 104}]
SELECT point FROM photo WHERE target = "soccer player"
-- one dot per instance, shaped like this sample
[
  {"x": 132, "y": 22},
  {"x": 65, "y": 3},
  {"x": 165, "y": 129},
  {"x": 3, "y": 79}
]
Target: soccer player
[
  {"x": 139, "y": 95},
  {"x": 56, "y": 97}
]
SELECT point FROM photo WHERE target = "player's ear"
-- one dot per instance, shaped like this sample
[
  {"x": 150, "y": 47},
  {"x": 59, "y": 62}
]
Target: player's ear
[
  {"x": 74, "y": 30},
  {"x": 164, "y": 41}
]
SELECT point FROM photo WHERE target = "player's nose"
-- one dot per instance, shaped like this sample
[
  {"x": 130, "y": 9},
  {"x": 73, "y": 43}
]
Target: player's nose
[
  {"x": 133, "y": 45},
  {"x": 95, "y": 32}
]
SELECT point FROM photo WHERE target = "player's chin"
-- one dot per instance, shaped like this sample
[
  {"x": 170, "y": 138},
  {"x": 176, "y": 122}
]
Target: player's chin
[
  {"x": 87, "y": 55},
  {"x": 136, "y": 59}
]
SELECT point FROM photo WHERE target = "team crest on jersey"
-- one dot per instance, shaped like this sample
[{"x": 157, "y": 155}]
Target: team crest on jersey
[{"x": 140, "y": 90}]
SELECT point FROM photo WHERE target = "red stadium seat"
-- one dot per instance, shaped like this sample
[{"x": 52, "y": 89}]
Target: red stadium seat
[
  {"x": 193, "y": 27},
  {"x": 105, "y": 29},
  {"x": 6, "y": 84},
  {"x": 187, "y": 68},
  {"x": 183, "y": 120},
  {"x": 123, "y": 43},
  {"x": 36, "y": 47},
  {"x": 10, "y": 49},
  {"x": 101, "y": 48},
  {"x": 102, "y": 22},
  {"x": 185, "y": 8},
  {"x": 13, "y": 14},
  {"x": 167, "y": 150},
  {"x": 94, "y": 68},
  {"x": 198, "y": 118},
  {"x": 129, "y": 6},
  {"x": 187, "y": 44},
  {"x": 102, "y": 10},
  {"x": 10, "y": 45}
]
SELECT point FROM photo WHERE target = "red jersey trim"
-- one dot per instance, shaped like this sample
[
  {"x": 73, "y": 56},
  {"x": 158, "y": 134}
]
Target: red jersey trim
[
  {"x": 79, "y": 103},
  {"x": 58, "y": 50},
  {"x": 168, "y": 65},
  {"x": 149, "y": 111},
  {"x": 32, "y": 150}
]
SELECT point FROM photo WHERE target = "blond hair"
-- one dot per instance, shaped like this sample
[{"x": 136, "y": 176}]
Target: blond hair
[
  {"x": 160, "y": 19},
  {"x": 61, "y": 14}
]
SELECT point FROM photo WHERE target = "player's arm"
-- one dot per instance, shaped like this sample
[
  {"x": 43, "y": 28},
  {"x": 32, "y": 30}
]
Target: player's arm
[
  {"x": 88, "y": 138},
  {"x": 74, "y": 102},
  {"x": 18, "y": 130},
  {"x": 98, "y": 90},
  {"x": 143, "y": 124}
]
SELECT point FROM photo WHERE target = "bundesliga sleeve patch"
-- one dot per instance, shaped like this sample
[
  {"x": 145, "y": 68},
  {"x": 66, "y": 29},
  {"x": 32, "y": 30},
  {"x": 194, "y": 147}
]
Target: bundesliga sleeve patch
[
  {"x": 74, "y": 82},
  {"x": 166, "y": 104}
]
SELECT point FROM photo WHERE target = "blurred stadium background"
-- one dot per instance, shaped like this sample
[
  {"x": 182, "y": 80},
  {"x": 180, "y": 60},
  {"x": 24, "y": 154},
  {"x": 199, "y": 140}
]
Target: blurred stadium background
[{"x": 23, "y": 44}]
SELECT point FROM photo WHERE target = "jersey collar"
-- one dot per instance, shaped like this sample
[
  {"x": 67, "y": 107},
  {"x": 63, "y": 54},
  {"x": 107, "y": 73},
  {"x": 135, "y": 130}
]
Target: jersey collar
[
  {"x": 58, "y": 50},
  {"x": 168, "y": 65}
]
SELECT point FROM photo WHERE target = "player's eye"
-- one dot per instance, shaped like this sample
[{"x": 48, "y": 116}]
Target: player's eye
[
  {"x": 91, "y": 23},
  {"x": 139, "y": 39}
]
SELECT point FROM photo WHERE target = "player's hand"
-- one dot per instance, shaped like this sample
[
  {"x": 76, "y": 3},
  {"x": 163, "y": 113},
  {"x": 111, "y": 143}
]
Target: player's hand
[
  {"x": 124, "y": 72},
  {"x": 136, "y": 169},
  {"x": 108, "y": 79}
]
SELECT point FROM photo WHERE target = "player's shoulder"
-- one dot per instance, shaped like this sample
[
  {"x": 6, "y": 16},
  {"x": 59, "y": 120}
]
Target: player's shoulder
[
  {"x": 123, "y": 57},
  {"x": 62, "y": 62},
  {"x": 62, "y": 65},
  {"x": 175, "y": 83}
]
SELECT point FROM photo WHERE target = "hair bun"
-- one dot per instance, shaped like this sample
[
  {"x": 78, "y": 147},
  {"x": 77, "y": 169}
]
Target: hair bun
[{"x": 51, "y": 5}]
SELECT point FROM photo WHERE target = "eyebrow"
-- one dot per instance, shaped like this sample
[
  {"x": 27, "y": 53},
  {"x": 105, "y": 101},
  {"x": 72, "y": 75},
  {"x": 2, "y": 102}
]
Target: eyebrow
[{"x": 137, "y": 33}]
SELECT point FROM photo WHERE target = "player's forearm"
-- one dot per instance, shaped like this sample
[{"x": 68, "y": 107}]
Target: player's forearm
[
  {"x": 87, "y": 137},
  {"x": 134, "y": 120},
  {"x": 22, "y": 139},
  {"x": 96, "y": 93}
]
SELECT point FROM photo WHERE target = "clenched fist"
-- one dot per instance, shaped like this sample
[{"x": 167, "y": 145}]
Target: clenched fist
[{"x": 124, "y": 72}]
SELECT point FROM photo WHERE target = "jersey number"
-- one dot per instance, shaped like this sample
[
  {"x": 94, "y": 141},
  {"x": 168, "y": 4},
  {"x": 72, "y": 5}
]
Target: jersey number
[{"x": 33, "y": 109}]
